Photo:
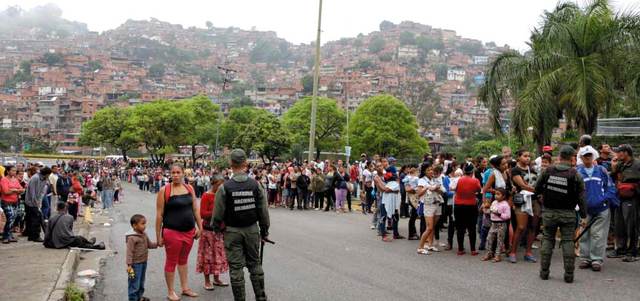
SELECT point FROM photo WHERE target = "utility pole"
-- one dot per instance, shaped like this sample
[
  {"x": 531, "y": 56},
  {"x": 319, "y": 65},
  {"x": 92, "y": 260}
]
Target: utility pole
[
  {"x": 316, "y": 78},
  {"x": 227, "y": 72}
]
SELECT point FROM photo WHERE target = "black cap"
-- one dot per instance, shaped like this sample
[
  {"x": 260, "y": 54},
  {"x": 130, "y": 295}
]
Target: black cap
[
  {"x": 566, "y": 152},
  {"x": 624, "y": 148},
  {"x": 238, "y": 156}
]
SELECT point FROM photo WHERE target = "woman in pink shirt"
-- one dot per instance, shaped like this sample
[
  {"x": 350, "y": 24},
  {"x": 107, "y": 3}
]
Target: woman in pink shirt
[{"x": 11, "y": 190}]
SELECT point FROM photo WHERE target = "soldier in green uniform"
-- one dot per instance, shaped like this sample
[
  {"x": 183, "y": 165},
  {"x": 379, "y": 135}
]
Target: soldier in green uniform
[
  {"x": 240, "y": 205},
  {"x": 562, "y": 189}
]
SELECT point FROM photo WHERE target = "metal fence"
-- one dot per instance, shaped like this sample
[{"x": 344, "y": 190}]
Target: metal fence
[{"x": 619, "y": 127}]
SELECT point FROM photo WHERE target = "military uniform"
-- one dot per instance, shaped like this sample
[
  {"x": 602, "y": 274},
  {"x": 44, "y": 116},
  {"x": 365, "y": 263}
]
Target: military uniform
[
  {"x": 563, "y": 189},
  {"x": 241, "y": 204}
]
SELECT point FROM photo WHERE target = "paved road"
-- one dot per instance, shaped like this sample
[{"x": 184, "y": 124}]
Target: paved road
[{"x": 327, "y": 256}]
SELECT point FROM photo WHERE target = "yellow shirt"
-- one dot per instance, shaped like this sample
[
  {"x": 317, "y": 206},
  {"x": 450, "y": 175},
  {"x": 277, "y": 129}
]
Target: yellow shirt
[{"x": 1, "y": 171}]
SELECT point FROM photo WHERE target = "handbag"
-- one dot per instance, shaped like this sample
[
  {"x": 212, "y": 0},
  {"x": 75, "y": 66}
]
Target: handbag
[{"x": 518, "y": 199}]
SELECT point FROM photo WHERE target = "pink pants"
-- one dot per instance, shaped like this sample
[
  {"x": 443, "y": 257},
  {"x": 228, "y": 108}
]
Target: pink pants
[{"x": 177, "y": 246}]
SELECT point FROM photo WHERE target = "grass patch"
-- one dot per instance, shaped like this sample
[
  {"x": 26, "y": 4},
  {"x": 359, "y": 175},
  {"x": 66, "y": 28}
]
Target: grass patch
[{"x": 73, "y": 293}]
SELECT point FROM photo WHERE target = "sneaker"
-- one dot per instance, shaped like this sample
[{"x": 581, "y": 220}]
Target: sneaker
[
  {"x": 372, "y": 227},
  {"x": 629, "y": 258},
  {"x": 596, "y": 267},
  {"x": 584, "y": 265},
  {"x": 423, "y": 252},
  {"x": 398, "y": 237},
  {"x": 530, "y": 258},
  {"x": 512, "y": 258},
  {"x": 413, "y": 237},
  {"x": 433, "y": 249}
]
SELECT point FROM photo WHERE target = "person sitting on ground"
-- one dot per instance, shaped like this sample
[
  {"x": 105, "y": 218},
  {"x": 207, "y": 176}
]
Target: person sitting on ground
[{"x": 60, "y": 232}]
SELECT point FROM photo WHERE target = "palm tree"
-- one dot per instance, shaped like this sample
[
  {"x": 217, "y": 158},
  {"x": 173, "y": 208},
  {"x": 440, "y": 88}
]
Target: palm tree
[{"x": 578, "y": 67}]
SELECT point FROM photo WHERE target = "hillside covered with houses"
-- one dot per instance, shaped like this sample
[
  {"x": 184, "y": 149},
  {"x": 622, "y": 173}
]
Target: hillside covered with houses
[{"x": 57, "y": 74}]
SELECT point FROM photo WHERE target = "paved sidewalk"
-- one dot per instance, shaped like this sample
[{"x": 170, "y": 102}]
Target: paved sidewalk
[{"x": 29, "y": 270}]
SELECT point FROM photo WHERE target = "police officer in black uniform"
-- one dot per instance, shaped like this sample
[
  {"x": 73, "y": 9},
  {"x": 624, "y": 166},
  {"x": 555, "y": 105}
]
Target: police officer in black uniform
[
  {"x": 562, "y": 189},
  {"x": 241, "y": 205}
]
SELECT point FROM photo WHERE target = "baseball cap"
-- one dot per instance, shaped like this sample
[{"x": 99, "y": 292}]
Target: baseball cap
[
  {"x": 391, "y": 159},
  {"x": 547, "y": 148},
  {"x": 624, "y": 148},
  {"x": 587, "y": 150},
  {"x": 238, "y": 156},
  {"x": 567, "y": 151}
]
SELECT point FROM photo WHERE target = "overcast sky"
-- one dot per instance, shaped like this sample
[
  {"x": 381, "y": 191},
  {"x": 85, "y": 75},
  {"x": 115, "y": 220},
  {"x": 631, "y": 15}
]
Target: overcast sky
[{"x": 502, "y": 21}]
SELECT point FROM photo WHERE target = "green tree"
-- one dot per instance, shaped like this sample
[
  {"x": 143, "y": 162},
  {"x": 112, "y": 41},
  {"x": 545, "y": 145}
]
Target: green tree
[
  {"x": 53, "y": 58},
  {"x": 407, "y": 38},
  {"x": 156, "y": 70},
  {"x": 231, "y": 125},
  {"x": 427, "y": 43},
  {"x": 386, "y": 25},
  {"x": 110, "y": 126},
  {"x": 441, "y": 72},
  {"x": 330, "y": 123},
  {"x": 264, "y": 135},
  {"x": 577, "y": 69},
  {"x": 94, "y": 65},
  {"x": 307, "y": 83},
  {"x": 365, "y": 64},
  {"x": 160, "y": 126},
  {"x": 201, "y": 129},
  {"x": 376, "y": 44},
  {"x": 384, "y": 125},
  {"x": 239, "y": 102}
]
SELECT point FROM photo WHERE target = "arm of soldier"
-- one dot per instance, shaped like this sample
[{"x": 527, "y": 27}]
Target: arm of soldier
[
  {"x": 540, "y": 183},
  {"x": 217, "y": 220},
  {"x": 263, "y": 213},
  {"x": 582, "y": 204}
]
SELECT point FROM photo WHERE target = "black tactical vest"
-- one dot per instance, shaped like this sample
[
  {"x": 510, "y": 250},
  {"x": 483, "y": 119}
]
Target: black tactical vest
[
  {"x": 560, "y": 189},
  {"x": 241, "y": 203}
]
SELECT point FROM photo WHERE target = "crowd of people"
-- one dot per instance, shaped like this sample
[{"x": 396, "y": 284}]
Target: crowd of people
[{"x": 588, "y": 198}]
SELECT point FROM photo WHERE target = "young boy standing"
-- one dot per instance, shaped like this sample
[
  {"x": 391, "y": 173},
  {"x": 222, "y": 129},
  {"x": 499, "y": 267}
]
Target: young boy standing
[{"x": 138, "y": 245}]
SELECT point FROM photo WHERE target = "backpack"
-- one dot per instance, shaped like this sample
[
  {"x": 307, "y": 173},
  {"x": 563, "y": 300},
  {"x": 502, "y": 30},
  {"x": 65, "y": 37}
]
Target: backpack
[{"x": 167, "y": 191}]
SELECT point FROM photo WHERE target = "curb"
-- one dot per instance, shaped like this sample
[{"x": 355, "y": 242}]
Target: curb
[{"x": 67, "y": 271}]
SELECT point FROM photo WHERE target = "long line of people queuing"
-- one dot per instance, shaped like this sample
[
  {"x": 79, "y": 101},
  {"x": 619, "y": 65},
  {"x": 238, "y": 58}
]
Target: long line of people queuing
[{"x": 499, "y": 203}]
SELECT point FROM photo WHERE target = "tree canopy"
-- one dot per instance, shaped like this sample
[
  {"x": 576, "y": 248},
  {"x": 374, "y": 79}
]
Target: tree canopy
[
  {"x": 110, "y": 126},
  {"x": 384, "y": 125},
  {"x": 330, "y": 123},
  {"x": 583, "y": 61},
  {"x": 263, "y": 135}
]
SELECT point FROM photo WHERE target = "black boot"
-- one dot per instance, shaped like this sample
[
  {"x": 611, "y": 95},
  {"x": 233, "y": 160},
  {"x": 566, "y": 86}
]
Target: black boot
[
  {"x": 238, "y": 292},
  {"x": 568, "y": 278},
  {"x": 258, "y": 288}
]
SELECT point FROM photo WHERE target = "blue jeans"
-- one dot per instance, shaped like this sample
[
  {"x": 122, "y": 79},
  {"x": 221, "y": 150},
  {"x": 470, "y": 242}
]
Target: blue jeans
[
  {"x": 10, "y": 213},
  {"x": 136, "y": 284},
  {"x": 107, "y": 199},
  {"x": 382, "y": 222},
  {"x": 46, "y": 206}
]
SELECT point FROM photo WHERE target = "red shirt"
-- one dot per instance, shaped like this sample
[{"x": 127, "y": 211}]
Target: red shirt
[
  {"x": 8, "y": 184},
  {"x": 206, "y": 205},
  {"x": 466, "y": 191}
]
